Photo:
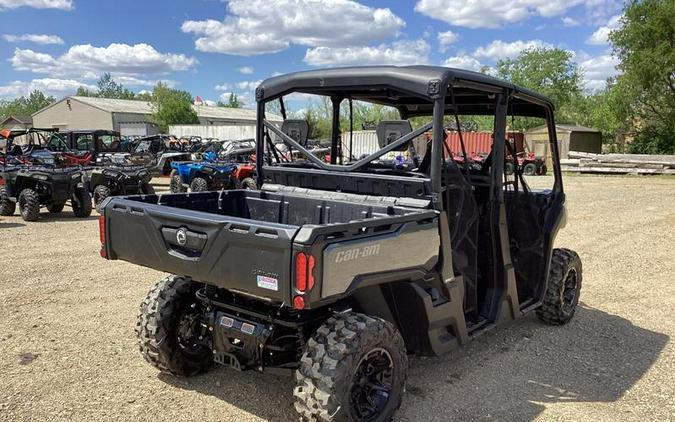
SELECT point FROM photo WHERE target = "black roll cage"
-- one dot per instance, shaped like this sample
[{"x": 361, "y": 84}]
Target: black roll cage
[{"x": 498, "y": 98}]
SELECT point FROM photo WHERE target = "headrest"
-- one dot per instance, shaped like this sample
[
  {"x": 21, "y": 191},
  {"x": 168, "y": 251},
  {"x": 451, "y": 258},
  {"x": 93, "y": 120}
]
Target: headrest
[
  {"x": 297, "y": 129},
  {"x": 389, "y": 131}
]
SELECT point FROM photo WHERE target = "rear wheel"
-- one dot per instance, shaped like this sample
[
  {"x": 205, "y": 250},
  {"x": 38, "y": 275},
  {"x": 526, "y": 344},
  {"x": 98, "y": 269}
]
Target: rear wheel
[
  {"x": 199, "y": 184},
  {"x": 530, "y": 169},
  {"x": 175, "y": 184},
  {"x": 81, "y": 202},
  {"x": 249, "y": 183},
  {"x": 564, "y": 288},
  {"x": 101, "y": 192},
  {"x": 169, "y": 330},
  {"x": 56, "y": 207},
  {"x": 353, "y": 369},
  {"x": 7, "y": 207},
  {"x": 29, "y": 205}
]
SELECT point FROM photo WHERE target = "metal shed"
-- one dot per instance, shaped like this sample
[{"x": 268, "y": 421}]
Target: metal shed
[
  {"x": 570, "y": 138},
  {"x": 131, "y": 117}
]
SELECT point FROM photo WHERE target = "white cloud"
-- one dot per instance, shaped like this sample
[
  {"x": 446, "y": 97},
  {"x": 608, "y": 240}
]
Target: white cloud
[
  {"x": 491, "y": 13},
  {"x": 499, "y": 49},
  {"x": 242, "y": 86},
  {"x": 37, "y": 4},
  {"x": 89, "y": 62},
  {"x": 497, "y": 13},
  {"x": 569, "y": 22},
  {"x": 600, "y": 37},
  {"x": 268, "y": 26},
  {"x": 36, "y": 38},
  {"x": 445, "y": 39},
  {"x": 463, "y": 62},
  {"x": 598, "y": 69},
  {"x": 49, "y": 86},
  {"x": 246, "y": 70},
  {"x": 399, "y": 52}
]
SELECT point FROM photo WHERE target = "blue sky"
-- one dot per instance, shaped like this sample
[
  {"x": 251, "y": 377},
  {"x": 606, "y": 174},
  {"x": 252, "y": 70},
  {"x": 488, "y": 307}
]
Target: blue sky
[{"x": 212, "y": 48}]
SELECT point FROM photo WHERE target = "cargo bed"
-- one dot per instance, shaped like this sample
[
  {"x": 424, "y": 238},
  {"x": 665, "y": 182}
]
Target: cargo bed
[{"x": 244, "y": 240}]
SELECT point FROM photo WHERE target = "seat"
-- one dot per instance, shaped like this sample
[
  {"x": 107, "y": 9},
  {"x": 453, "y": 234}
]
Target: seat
[
  {"x": 297, "y": 129},
  {"x": 389, "y": 131}
]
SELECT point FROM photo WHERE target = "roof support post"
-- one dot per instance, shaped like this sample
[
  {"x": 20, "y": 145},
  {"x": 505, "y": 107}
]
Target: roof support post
[
  {"x": 437, "y": 152},
  {"x": 259, "y": 143},
  {"x": 335, "y": 130}
]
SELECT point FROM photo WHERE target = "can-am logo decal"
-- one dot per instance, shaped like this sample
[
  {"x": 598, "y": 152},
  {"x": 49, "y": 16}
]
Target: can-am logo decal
[
  {"x": 181, "y": 237},
  {"x": 356, "y": 253}
]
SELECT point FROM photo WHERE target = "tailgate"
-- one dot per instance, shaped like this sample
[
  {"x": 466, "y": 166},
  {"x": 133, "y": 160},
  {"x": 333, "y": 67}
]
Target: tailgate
[{"x": 234, "y": 253}]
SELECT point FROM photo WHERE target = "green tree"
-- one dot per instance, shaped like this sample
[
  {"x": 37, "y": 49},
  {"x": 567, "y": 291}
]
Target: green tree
[
  {"x": 232, "y": 102},
  {"x": 172, "y": 106},
  {"x": 645, "y": 46},
  {"x": 109, "y": 88},
  {"x": 548, "y": 71},
  {"x": 84, "y": 92},
  {"x": 23, "y": 105}
]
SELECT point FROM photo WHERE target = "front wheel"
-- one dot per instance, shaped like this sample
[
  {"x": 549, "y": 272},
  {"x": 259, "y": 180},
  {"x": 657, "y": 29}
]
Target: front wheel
[
  {"x": 29, "y": 205},
  {"x": 353, "y": 369},
  {"x": 530, "y": 169},
  {"x": 199, "y": 184},
  {"x": 169, "y": 329},
  {"x": 175, "y": 183},
  {"x": 564, "y": 288},
  {"x": 101, "y": 192},
  {"x": 81, "y": 203},
  {"x": 7, "y": 207}
]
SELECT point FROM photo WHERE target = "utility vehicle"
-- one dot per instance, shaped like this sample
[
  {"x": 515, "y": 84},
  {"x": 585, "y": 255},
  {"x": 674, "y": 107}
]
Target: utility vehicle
[
  {"x": 33, "y": 187},
  {"x": 111, "y": 179},
  {"x": 156, "y": 153},
  {"x": 339, "y": 270}
]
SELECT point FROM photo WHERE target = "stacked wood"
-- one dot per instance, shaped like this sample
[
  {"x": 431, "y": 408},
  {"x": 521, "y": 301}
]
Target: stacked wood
[{"x": 585, "y": 162}]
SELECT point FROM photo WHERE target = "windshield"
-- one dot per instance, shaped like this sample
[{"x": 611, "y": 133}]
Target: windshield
[{"x": 109, "y": 143}]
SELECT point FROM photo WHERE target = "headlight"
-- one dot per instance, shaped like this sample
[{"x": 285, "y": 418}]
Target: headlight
[
  {"x": 41, "y": 177},
  {"x": 143, "y": 174},
  {"x": 76, "y": 175}
]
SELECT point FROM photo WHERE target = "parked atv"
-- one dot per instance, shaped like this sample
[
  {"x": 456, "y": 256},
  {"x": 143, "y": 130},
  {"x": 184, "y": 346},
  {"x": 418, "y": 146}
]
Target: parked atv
[
  {"x": 202, "y": 176},
  {"x": 157, "y": 153},
  {"x": 113, "y": 180},
  {"x": 41, "y": 186}
]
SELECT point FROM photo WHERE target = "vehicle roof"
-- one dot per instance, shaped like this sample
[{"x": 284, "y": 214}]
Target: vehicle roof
[{"x": 405, "y": 87}]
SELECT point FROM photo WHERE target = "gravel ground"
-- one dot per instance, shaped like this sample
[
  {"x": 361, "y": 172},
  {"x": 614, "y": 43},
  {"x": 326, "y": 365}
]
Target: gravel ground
[{"x": 68, "y": 350}]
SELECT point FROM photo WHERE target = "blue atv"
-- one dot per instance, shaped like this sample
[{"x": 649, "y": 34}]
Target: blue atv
[{"x": 201, "y": 176}]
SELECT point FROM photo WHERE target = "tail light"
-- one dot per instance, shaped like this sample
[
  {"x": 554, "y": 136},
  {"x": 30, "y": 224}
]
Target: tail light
[
  {"x": 101, "y": 232},
  {"x": 304, "y": 277},
  {"x": 304, "y": 272}
]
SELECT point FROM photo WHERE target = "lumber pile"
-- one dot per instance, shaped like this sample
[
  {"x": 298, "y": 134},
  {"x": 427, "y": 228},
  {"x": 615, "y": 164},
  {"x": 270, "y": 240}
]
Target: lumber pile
[{"x": 585, "y": 162}]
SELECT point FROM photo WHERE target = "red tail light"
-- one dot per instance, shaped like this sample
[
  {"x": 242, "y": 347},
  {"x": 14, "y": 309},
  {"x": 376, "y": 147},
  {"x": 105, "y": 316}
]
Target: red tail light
[
  {"x": 101, "y": 232},
  {"x": 301, "y": 272},
  {"x": 304, "y": 272}
]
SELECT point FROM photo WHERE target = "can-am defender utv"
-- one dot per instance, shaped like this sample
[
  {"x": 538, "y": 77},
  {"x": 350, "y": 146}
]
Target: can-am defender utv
[
  {"x": 33, "y": 187},
  {"x": 339, "y": 270}
]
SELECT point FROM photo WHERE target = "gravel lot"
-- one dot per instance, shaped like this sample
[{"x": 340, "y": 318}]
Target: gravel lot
[{"x": 68, "y": 350}]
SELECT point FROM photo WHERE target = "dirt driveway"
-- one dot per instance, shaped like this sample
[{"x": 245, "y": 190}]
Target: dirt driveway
[{"x": 68, "y": 351}]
